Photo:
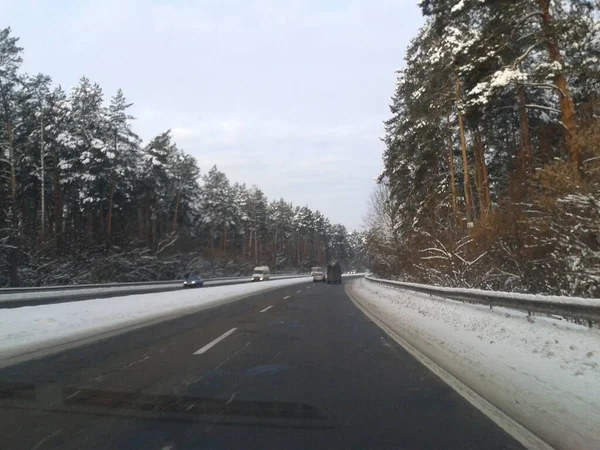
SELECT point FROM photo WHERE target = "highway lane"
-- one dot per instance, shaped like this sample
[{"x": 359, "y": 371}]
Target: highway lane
[{"x": 297, "y": 367}]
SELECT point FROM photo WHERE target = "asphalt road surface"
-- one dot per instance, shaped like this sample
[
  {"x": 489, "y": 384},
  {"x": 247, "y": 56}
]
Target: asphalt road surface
[{"x": 294, "y": 368}]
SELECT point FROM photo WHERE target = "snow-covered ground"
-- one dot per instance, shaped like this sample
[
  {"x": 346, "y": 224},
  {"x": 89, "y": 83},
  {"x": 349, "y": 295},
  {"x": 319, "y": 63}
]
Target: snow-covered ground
[
  {"x": 30, "y": 328},
  {"x": 542, "y": 372}
]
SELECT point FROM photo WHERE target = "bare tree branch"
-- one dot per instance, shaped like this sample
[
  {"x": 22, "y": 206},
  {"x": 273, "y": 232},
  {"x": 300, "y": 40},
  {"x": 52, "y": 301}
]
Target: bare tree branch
[
  {"x": 545, "y": 85},
  {"x": 544, "y": 108},
  {"x": 520, "y": 59}
]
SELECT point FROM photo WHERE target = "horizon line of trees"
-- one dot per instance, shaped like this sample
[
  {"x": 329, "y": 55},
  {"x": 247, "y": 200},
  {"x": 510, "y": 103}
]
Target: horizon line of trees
[{"x": 75, "y": 180}]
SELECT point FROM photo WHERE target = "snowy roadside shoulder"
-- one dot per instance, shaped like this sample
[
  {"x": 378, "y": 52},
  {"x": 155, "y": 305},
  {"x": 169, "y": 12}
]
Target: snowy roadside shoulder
[
  {"x": 542, "y": 372},
  {"x": 31, "y": 329}
]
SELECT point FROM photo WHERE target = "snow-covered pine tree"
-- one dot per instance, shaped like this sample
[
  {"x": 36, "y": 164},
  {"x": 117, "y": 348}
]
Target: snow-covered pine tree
[
  {"x": 216, "y": 203},
  {"x": 155, "y": 188},
  {"x": 91, "y": 166},
  {"x": 10, "y": 61},
  {"x": 123, "y": 150}
]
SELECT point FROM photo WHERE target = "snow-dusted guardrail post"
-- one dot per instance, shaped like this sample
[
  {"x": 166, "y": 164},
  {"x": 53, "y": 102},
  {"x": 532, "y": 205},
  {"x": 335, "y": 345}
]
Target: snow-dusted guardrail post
[{"x": 584, "y": 309}]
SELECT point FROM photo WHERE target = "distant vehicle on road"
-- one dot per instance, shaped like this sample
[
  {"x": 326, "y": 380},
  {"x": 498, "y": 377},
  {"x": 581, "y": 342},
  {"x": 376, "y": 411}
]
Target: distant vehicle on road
[
  {"x": 261, "y": 273},
  {"x": 319, "y": 276},
  {"x": 193, "y": 280},
  {"x": 334, "y": 273},
  {"x": 316, "y": 269}
]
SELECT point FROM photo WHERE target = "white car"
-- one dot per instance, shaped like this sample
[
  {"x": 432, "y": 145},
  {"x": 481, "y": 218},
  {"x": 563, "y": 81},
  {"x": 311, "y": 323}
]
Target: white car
[
  {"x": 319, "y": 276},
  {"x": 315, "y": 269}
]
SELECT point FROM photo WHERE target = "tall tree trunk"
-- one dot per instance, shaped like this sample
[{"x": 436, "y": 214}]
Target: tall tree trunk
[
  {"x": 465, "y": 161},
  {"x": 544, "y": 139},
  {"x": 248, "y": 254},
  {"x": 305, "y": 249},
  {"x": 58, "y": 207},
  {"x": 141, "y": 220},
  {"x": 13, "y": 175},
  {"x": 452, "y": 178},
  {"x": 153, "y": 243},
  {"x": 484, "y": 178},
  {"x": 177, "y": 201},
  {"x": 274, "y": 248},
  {"x": 101, "y": 218},
  {"x": 477, "y": 170},
  {"x": 43, "y": 183},
  {"x": 483, "y": 189},
  {"x": 66, "y": 218},
  {"x": 567, "y": 110},
  {"x": 90, "y": 233},
  {"x": 111, "y": 195},
  {"x": 255, "y": 248},
  {"x": 526, "y": 156},
  {"x": 13, "y": 259}
]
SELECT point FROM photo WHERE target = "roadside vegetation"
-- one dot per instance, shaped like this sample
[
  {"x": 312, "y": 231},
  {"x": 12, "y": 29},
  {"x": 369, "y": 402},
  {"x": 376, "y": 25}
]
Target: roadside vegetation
[{"x": 492, "y": 164}]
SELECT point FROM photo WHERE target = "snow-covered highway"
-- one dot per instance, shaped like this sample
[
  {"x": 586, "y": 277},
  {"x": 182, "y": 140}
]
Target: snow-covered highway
[
  {"x": 295, "y": 366},
  {"x": 293, "y": 342}
]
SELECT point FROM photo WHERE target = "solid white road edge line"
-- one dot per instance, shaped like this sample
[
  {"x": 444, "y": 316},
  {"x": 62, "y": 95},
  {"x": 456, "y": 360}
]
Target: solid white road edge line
[
  {"x": 211, "y": 344},
  {"x": 528, "y": 439},
  {"x": 266, "y": 309}
]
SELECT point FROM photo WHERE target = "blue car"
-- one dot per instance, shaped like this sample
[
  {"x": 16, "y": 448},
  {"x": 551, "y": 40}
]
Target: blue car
[{"x": 193, "y": 281}]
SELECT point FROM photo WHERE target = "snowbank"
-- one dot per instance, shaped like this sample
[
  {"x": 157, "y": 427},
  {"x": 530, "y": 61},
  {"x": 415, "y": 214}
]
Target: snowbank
[
  {"x": 30, "y": 328},
  {"x": 542, "y": 372},
  {"x": 556, "y": 299}
]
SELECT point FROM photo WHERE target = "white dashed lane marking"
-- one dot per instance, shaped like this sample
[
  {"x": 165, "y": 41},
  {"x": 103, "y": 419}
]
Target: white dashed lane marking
[
  {"x": 211, "y": 344},
  {"x": 266, "y": 309}
]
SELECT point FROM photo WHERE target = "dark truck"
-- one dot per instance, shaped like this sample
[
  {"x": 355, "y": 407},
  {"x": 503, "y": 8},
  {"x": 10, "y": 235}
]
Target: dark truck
[{"x": 334, "y": 273}]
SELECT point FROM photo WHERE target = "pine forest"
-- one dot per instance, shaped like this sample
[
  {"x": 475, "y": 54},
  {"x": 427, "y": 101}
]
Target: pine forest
[
  {"x": 491, "y": 172},
  {"x": 84, "y": 200}
]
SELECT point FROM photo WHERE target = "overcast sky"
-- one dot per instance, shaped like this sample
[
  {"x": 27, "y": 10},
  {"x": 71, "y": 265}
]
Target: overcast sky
[{"x": 289, "y": 95}]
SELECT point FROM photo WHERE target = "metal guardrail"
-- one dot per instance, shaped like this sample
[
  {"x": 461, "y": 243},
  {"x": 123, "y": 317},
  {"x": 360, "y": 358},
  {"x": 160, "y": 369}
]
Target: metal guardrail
[
  {"x": 68, "y": 287},
  {"x": 19, "y": 297},
  {"x": 76, "y": 287},
  {"x": 582, "y": 309}
]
